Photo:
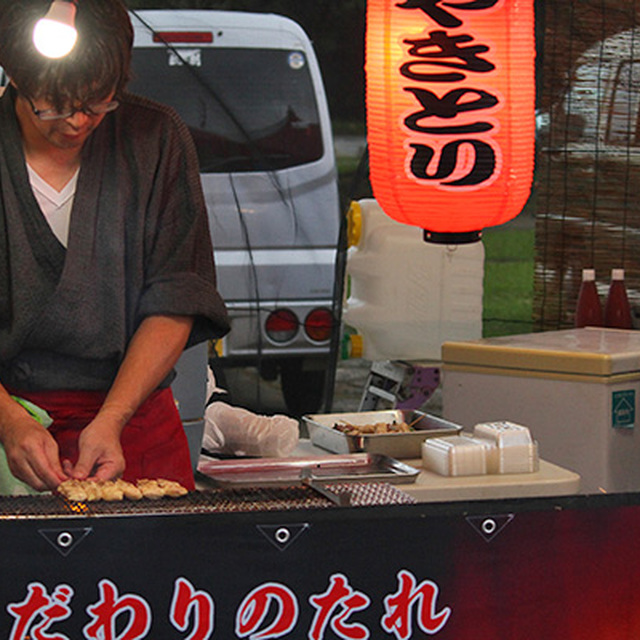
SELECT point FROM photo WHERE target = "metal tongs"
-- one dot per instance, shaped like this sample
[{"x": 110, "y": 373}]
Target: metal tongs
[{"x": 340, "y": 499}]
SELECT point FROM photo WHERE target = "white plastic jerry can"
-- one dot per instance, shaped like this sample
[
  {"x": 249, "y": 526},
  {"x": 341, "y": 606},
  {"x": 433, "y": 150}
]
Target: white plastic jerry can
[{"x": 405, "y": 296}]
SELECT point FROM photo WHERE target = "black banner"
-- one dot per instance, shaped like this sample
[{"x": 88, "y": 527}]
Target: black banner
[{"x": 524, "y": 570}]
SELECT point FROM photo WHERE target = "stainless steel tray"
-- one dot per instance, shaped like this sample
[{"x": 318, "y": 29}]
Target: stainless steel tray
[
  {"x": 395, "y": 445},
  {"x": 263, "y": 472}
]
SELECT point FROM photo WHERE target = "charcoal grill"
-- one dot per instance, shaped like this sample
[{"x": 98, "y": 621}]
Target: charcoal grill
[{"x": 237, "y": 500}]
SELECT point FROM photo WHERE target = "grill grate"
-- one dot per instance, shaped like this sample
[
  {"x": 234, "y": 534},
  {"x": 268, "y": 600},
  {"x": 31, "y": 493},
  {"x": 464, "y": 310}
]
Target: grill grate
[{"x": 202, "y": 502}]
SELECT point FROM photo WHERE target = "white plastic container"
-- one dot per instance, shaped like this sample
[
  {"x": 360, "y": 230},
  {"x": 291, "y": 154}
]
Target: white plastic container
[
  {"x": 455, "y": 456},
  {"x": 495, "y": 448},
  {"x": 407, "y": 296},
  {"x": 512, "y": 450}
]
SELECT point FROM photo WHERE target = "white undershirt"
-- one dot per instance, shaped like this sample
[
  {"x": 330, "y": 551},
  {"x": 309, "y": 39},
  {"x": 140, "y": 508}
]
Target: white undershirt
[{"x": 55, "y": 205}]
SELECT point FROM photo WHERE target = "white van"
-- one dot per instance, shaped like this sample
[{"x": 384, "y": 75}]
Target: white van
[{"x": 250, "y": 90}]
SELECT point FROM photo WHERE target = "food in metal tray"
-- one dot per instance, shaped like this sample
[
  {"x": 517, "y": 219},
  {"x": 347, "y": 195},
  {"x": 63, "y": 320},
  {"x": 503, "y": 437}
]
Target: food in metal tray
[
  {"x": 395, "y": 444},
  {"x": 377, "y": 427},
  {"x": 92, "y": 490}
]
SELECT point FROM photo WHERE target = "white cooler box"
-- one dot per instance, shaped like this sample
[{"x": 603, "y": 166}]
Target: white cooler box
[{"x": 577, "y": 390}]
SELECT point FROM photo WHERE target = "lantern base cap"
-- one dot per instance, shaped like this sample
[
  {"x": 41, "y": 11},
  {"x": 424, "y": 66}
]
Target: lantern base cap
[{"x": 466, "y": 237}]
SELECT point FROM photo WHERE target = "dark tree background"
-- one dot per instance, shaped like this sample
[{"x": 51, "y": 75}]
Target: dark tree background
[{"x": 336, "y": 28}]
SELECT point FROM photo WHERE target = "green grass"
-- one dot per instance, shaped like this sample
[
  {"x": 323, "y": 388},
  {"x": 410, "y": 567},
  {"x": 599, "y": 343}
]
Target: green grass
[
  {"x": 508, "y": 281},
  {"x": 348, "y": 128}
]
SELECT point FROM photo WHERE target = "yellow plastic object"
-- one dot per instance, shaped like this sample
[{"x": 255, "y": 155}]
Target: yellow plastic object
[
  {"x": 218, "y": 347},
  {"x": 354, "y": 224},
  {"x": 357, "y": 346}
]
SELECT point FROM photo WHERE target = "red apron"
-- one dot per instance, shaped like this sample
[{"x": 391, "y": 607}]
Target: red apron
[{"x": 153, "y": 441}]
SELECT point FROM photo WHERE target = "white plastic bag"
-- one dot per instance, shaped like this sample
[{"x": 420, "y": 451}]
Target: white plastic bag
[
  {"x": 236, "y": 431},
  {"x": 212, "y": 384}
]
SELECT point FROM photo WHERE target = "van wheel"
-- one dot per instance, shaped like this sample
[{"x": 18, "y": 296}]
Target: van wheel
[{"x": 303, "y": 391}]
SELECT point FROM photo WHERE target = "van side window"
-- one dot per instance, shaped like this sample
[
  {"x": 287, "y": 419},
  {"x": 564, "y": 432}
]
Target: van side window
[
  {"x": 622, "y": 126},
  {"x": 247, "y": 109}
]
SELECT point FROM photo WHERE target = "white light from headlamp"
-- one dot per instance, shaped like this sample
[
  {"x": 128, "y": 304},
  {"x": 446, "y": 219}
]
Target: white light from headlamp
[{"x": 55, "y": 35}]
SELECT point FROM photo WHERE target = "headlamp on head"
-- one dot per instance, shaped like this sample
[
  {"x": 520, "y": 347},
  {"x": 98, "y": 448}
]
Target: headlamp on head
[{"x": 55, "y": 34}]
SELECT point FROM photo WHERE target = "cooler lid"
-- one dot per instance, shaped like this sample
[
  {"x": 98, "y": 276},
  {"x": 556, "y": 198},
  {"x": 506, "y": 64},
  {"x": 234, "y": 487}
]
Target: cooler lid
[{"x": 588, "y": 351}]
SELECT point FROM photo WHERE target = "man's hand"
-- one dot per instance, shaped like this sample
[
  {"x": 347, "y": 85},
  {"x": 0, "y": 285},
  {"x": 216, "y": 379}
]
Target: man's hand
[
  {"x": 100, "y": 453},
  {"x": 154, "y": 349},
  {"x": 32, "y": 453}
]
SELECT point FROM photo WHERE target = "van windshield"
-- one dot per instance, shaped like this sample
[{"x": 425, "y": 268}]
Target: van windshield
[{"x": 247, "y": 109}]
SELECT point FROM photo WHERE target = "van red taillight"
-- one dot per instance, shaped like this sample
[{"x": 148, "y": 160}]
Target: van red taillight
[
  {"x": 317, "y": 325},
  {"x": 282, "y": 325},
  {"x": 190, "y": 37}
]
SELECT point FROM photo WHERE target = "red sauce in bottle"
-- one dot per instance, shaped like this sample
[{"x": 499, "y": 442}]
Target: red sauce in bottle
[
  {"x": 617, "y": 312},
  {"x": 589, "y": 308}
]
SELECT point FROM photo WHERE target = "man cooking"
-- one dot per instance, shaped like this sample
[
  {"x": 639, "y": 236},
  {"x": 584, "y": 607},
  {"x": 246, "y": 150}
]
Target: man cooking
[{"x": 106, "y": 267}]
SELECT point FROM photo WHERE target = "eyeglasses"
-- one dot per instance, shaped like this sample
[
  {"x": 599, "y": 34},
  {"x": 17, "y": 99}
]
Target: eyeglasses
[{"x": 96, "y": 109}]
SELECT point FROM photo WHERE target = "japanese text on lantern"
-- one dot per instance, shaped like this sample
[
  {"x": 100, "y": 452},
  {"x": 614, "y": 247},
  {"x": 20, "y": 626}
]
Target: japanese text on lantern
[
  {"x": 450, "y": 112},
  {"x": 453, "y": 124}
]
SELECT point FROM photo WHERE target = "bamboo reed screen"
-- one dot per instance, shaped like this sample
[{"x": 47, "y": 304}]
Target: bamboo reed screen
[{"x": 587, "y": 190}]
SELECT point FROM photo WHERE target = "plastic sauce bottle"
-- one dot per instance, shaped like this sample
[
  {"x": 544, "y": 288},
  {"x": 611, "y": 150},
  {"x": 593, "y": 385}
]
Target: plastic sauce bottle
[
  {"x": 589, "y": 308},
  {"x": 617, "y": 312}
]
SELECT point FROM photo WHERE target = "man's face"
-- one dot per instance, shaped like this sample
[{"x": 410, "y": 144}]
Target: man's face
[{"x": 70, "y": 132}]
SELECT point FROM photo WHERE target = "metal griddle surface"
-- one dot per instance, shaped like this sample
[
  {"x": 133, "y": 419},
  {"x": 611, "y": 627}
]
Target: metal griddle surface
[{"x": 356, "y": 467}]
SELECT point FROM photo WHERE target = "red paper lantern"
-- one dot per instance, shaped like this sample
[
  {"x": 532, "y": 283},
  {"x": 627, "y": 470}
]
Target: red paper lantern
[{"x": 450, "y": 112}]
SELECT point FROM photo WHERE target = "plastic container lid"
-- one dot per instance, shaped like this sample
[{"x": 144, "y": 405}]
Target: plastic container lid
[
  {"x": 588, "y": 351},
  {"x": 588, "y": 275},
  {"x": 503, "y": 433}
]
